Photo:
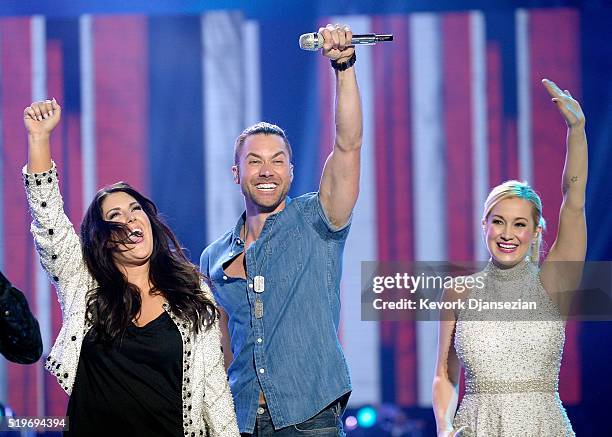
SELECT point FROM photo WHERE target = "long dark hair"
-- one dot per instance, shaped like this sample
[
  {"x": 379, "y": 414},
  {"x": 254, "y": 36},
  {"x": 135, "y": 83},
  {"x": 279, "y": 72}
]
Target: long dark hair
[{"x": 115, "y": 302}]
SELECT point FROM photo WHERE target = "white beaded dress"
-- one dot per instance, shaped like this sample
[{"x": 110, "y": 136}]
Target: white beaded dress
[{"x": 511, "y": 366}]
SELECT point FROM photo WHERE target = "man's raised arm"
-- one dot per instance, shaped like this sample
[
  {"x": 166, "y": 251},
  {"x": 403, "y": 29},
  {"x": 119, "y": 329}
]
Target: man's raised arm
[{"x": 340, "y": 180}]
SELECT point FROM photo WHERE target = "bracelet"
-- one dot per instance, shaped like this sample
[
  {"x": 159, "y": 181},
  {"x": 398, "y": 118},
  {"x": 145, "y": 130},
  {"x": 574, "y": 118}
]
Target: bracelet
[{"x": 341, "y": 66}]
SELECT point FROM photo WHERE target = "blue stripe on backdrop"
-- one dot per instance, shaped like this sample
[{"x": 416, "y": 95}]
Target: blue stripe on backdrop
[
  {"x": 501, "y": 35},
  {"x": 289, "y": 96},
  {"x": 597, "y": 103},
  {"x": 175, "y": 127},
  {"x": 500, "y": 27},
  {"x": 66, "y": 31},
  {"x": 595, "y": 338}
]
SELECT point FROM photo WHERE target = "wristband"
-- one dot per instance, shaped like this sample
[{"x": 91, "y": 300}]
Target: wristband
[{"x": 341, "y": 66}]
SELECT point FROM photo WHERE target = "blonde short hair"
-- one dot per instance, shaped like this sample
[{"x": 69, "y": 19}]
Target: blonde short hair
[{"x": 521, "y": 190}]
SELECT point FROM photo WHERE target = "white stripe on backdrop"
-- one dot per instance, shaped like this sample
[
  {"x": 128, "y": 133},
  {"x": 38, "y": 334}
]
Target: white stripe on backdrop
[
  {"x": 251, "y": 72},
  {"x": 224, "y": 116},
  {"x": 525, "y": 157},
  {"x": 88, "y": 111},
  {"x": 428, "y": 173},
  {"x": 42, "y": 288},
  {"x": 480, "y": 157},
  {"x": 360, "y": 340}
]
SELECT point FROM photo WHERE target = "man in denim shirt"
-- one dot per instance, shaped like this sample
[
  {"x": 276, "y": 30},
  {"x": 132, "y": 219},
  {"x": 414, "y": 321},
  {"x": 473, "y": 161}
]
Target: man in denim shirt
[{"x": 276, "y": 274}]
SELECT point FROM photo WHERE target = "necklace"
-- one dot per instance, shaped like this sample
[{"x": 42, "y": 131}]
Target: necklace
[{"x": 258, "y": 279}]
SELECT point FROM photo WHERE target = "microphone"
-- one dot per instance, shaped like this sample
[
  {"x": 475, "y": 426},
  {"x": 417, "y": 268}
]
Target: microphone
[{"x": 314, "y": 41}]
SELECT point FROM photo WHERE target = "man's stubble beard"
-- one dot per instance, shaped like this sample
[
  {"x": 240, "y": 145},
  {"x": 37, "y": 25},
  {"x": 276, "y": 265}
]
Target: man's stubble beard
[{"x": 263, "y": 207}]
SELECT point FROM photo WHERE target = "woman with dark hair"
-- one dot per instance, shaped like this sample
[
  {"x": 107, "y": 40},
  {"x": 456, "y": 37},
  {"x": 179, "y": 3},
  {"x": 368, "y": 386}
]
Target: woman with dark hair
[{"x": 139, "y": 349}]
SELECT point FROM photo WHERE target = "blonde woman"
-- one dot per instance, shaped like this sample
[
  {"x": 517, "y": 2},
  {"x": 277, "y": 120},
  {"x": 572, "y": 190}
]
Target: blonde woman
[{"x": 512, "y": 367}]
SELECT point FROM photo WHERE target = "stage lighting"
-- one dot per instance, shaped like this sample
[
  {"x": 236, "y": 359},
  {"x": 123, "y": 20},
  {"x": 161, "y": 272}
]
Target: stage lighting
[
  {"x": 366, "y": 417},
  {"x": 350, "y": 423}
]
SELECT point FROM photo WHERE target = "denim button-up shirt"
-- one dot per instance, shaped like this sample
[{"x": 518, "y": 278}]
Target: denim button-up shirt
[{"x": 292, "y": 352}]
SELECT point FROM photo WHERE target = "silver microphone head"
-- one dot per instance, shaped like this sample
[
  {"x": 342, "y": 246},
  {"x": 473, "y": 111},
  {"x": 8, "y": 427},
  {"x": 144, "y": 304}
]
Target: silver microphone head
[{"x": 311, "y": 41}]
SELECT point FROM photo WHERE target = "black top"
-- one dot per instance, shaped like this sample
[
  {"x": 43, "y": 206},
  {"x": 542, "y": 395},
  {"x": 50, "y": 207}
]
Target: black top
[
  {"x": 19, "y": 332},
  {"x": 132, "y": 387}
]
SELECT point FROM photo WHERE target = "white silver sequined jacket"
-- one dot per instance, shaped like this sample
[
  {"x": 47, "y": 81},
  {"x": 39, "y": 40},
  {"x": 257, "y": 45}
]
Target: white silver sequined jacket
[{"x": 207, "y": 400}]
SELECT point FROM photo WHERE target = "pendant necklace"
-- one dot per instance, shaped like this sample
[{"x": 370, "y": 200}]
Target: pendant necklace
[{"x": 259, "y": 285}]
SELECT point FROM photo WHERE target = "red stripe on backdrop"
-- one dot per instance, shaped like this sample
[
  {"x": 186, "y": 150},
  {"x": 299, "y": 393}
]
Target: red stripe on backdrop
[
  {"x": 394, "y": 189},
  {"x": 495, "y": 115},
  {"x": 55, "y": 398},
  {"x": 501, "y": 132},
  {"x": 55, "y": 88},
  {"x": 122, "y": 104},
  {"x": 457, "y": 104},
  {"x": 74, "y": 169},
  {"x": 554, "y": 55},
  {"x": 15, "y": 52},
  {"x": 402, "y": 231},
  {"x": 399, "y": 124},
  {"x": 382, "y": 174}
]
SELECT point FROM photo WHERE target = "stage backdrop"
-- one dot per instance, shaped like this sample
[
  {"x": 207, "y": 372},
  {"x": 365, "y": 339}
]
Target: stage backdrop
[{"x": 452, "y": 107}]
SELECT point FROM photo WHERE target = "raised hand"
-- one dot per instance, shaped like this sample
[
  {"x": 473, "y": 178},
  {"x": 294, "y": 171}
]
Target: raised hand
[
  {"x": 568, "y": 107},
  {"x": 337, "y": 42},
  {"x": 40, "y": 118}
]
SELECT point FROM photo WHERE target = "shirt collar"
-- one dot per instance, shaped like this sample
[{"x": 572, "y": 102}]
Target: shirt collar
[{"x": 242, "y": 219}]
